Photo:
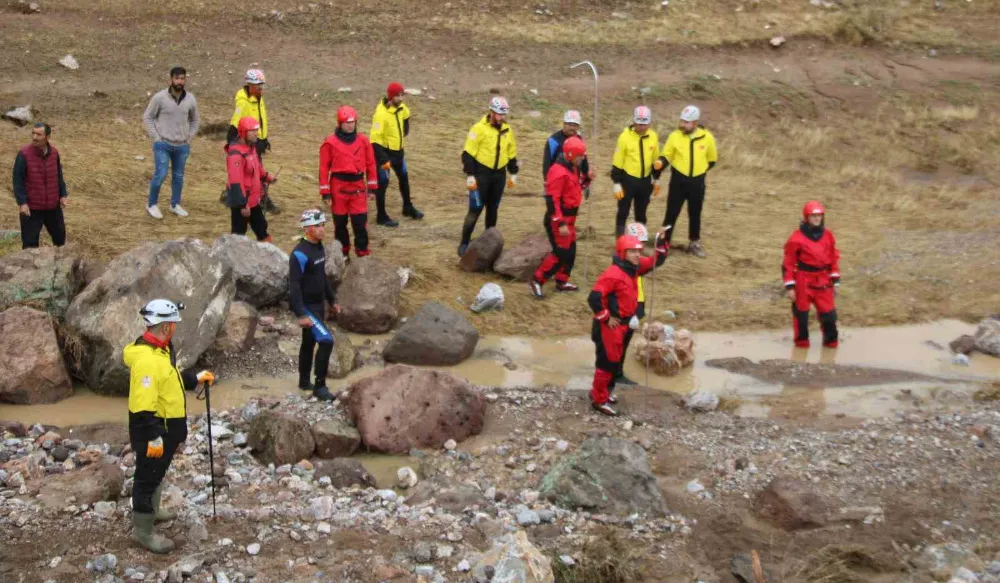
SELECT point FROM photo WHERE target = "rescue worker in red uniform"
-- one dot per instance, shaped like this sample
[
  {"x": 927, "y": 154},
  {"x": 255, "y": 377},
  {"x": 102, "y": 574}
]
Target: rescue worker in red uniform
[
  {"x": 614, "y": 301},
  {"x": 811, "y": 273},
  {"x": 246, "y": 180},
  {"x": 563, "y": 196},
  {"x": 346, "y": 174}
]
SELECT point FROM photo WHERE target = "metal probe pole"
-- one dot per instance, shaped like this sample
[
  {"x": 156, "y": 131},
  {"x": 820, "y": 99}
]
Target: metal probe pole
[{"x": 591, "y": 149}]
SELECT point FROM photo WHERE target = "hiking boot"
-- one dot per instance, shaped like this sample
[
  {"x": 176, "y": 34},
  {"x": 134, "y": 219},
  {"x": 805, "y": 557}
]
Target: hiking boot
[
  {"x": 178, "y": 210},
  {"x": 306, "y": 387},
  {"x": 612, "y": 399},
  {"x": 322, "y": 393},
  {"x": 565, "y": 286},
  {"x": 695, "y": 248},
  {"x": 462, "y": 248},
  {"x": 270, "y": 207},
  {"x": 831, "y": 344},
  {"x": 143, "y": 535},
  {"x": 605, "y": 409},
  {"x": 160, "y": 514},
  {"x": 412, "y": 212},
  {"x": 154, "y": 211},
  {"x": 624, "y": 380},
  {"x": 536, "y": 289},
  {"x": 387, "y": 222}
]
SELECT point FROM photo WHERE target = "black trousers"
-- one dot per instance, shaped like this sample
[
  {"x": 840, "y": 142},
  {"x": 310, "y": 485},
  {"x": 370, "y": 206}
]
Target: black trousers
[
  {"x": 683, "y": 189},
  {"x": 491, "y": 186},
  {"x": 360, "y": 225},
  {"x": 256, "y": 221},
  {"x": 308, "y": 352},
  {"x": 399, "y": 168},
  {"x": 149, "y": 472},
  {"x": 31, "y": 227},
  {"x": 638, "y": 192}
]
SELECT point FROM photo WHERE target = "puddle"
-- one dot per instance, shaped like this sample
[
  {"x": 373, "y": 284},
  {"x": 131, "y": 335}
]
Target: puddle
[
  {"x": 568, "y": 362},
  {"x": 383, "y": 467}
]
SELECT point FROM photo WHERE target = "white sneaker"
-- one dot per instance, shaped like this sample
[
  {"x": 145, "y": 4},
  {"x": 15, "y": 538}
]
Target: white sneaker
[
  {"x": 154, "y": 211},
  {"x": 178, "y": 210}
]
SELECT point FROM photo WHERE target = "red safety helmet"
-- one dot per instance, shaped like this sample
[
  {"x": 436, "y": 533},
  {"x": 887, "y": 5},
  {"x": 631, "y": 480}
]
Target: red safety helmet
[
  {"x": 346, "y": 113},
  {"x": 627, "y": 242},
  {"x": 393, "y": 89},
  {"x": 247, "y": 124},
  {"x": 574, "y": 148},
  {"x": 813, "y": 207}
]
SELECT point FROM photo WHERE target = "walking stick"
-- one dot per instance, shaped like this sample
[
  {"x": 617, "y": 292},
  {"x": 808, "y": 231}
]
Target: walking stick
[
  {"x": 593, "y": 149},
  {"x": 205, "y": 395},
  {"x": 652, "y": 296}
]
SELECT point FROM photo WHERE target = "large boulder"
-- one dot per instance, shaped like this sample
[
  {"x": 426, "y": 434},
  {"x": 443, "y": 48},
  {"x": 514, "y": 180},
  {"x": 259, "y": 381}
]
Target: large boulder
[
  {"x": 104, "y": 317},
  {"x": 404, "y": 407},
  {"x": 260, "y": 269},
  {"x": 336, "y": 265},
  {"x": 32, "y": 369},
  {"x": 238, "y": 330},
  {"x": 514, "y": 559},
  {"x": 792, "y": 504},
  {"x": 280, "y": 439},
  {"x": 369, "y": 296},
  {"x": 335, "y": 439},
  {"x": 988, "y": 336},
  {"x": 45, "y": 278},
  {"x": 94, "y": 483},
  {"x": 521, "y": 261},
  {"x": 605, "y": 475},
  {"x": 344, "y": 473},
  {"x": 483, "y": 252},
  {"x": 436, "y": 336},
  {"x": 345, "y": 356}
]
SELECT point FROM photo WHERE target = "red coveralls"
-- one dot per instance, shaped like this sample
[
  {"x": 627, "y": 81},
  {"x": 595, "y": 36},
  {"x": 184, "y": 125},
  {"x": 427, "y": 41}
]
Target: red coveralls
[
  {"x": 812, "y": 267},
  {"x": 563, "y": 195},
  {"x": 345, "y": 160},
  {"x": 246, "y": 176},
  {"x": 616, "y": 294}
]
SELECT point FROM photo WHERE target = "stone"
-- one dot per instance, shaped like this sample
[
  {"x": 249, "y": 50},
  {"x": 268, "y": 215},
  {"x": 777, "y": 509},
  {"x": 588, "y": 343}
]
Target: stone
[
  {"x": 606, "y": 475},
  {"x": 490, "y": 297},
  {"x": 792, "y": 504},
  {"x": 963, "y": 575},
  {"x": 32, "y": 369},
  {"x": 483, "y": 251},
  {"x": 960, "y": 360},
  {"x": 741, "y": 566},
  {"x": 280, "y": 439},
  {"x": 321, "y": 508},
  {"x": 336, "y": 264},
  {"x": 238, "y": 329},
  {"x": 345, "y": 356},
  {"x": 105, "y": 509},
  {"x": 423, "y": 571},
  {"x": 324, "y": 528},
  {"x": 260, "y": 269},
  {"x": 450, "y": 445},
  {"x": 700, "y": 401},
  {"x": 423, "y": 552},
  {"x": 14, "y": 428},
  {"x": 106, "y": 563},
  {"x": 253, "y": 549},
  {"x": 21, "y": 116},
  {"x": 463, "y": 566},
  {"x": 528, "y": 517},
  {"x": 406, "y": 478},
  {"x": 369, "y": 297},
  {"x": 513, "y": 559},
  {"x": 520, "y": 262},
  {"x": 104, "y": 317},
  {"x": 69, "y": 62},
  {"x": 694, "y": 487},
  {"x": 44, "y": 278},
  {"x": 60, "y": 453},
  {"x": 403, "y": 407},
  {"x": 92, "y": 484},
  {"x": 436, "y": 336},
  {"x": 447, "y": 493},
  {"x": 344, "y": 473},
  {"x": 988, "y": 336},
  {"x": 946, "y": 557},
  {"x": 963, "y": 344},
  {"x": 335, "y": 438}
]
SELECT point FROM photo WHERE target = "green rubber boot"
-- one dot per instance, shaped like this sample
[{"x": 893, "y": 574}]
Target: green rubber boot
[
  {"x": 161, "y": 515},
  {"x": 143, "y": 535}
]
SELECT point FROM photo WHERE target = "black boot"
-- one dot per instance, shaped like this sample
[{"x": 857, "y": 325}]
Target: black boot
[
  {"x": 386, "y": 221},
  {"x": 322, "y": 393},
  {"x": 412, "y": 212},
  {"x": 621, "y": 379}
]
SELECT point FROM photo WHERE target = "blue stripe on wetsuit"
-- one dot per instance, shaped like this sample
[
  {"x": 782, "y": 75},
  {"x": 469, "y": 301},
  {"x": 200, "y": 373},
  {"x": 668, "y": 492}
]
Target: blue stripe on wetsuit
[{"x": 319, "y": 330}]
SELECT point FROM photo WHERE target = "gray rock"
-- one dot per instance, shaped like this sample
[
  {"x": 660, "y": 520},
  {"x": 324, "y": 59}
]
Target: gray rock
[
  {"x": 423, "y": 552},
  {"x": 238, "y": 329},
  {"x": 424, "y": 571},
  {"x": 20, "y": 115},
  {"x": 436, "y": 336},
  {"x": 527, "y": 517},
  {"x": 369, "y": 297},
  {"x": 32, "y": 369},
  {"x": 988, "y": 336},
  {"x": 605, "y": 475},
  {"x": 280, "y": 439},
  {"x": 253, "y": 549},
  {"x": 520, "y": 262},
  {"x": 345, "y": 356},
  {"x": 513, "y": 559},
  {"x": 447, "y": 493},
  {"x": 106, "y": 563},
  {"x": 260, "y": 269},
  {"x": 701, "y": 401},
  {"x": 45, "y": 278},
  {"x": 240, "y": 439},
  {"x": 344, "y": 473},
  {"x": 335, "y": 438},
  {"x": 483, "y": 251},
  {"x": 792, "y": 504}
]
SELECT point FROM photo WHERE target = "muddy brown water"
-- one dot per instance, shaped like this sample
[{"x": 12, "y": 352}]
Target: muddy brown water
[{"x": 568, "y": 362}]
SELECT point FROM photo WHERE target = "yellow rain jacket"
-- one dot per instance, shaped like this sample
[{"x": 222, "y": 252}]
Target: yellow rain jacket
[
  {"x": 249, "y": 106},
  {"x": 690, "y": 154},
  {"x": 156, "y": 401},
  {"x": 635, "y": 154},
  {"x": 390, "y": 125},
  {"x": 490, "y": 148}
]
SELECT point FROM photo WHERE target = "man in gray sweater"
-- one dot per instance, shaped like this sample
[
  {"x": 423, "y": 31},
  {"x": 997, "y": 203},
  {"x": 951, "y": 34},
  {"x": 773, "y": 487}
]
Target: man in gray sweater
[{"x": 172, "y": 121}]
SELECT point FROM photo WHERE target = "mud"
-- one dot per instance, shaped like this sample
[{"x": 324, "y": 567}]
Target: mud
[{"x": 811, "y": 375}]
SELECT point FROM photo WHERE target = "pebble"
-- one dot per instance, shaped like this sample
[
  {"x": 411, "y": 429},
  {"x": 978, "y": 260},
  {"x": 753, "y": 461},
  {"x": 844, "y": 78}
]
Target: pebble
[
  {"x": 221, "y": 577},
  {"x": 387, "y": 495},
  {"x": 547, "y": 516},
  {"x": 529, "y": 496},
  {"x": 423, "y": 553},
  {"x": 445, "y": 551},
  {"x": 424, "y": 571},
  {"x": 240, "y": 439},
  {"x": 562, "y": 445},
  {"x": 103, "y": 564},
  {"x": 253, "y": 549},
  {"x": 324, "y": 528},
  {"x": 694, "y": 487},
  {"x": 960, "y": 360},
  {"x": 531, "y": 467},
  {"x": 527, "y": 517},
  {"x": 463, "y": 566},
  {"x": 567, "y": 560},
  {"x": 492, "y": 397},
  {"x": 406, "y": 477},
  {"x": 450, "y": 445}
]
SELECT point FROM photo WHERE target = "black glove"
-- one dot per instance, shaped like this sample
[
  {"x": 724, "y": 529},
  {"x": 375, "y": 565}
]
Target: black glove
[{"x": 263, "y": 145}]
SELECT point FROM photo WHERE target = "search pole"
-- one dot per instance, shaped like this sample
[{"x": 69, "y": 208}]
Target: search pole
[{"x": 592, "y": 147}]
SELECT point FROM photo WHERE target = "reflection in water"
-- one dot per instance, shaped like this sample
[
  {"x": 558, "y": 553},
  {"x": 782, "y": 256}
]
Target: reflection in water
[{"x": 568, "y": 362}]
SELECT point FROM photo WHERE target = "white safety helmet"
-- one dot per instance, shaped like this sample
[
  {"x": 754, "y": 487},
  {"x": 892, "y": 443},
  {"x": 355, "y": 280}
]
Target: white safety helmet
[
  {"x": 311, "y": 218},
  {"x": 642, "y": 115},
  {"x": 254, "y": 77},
  {"x": 572, "y": 116},
  {"x": 159, "y": 311},
  {"x": 637, "y": 230},
  {"x": 691, "y": 113},
  {"x": 499, "y": 105}
]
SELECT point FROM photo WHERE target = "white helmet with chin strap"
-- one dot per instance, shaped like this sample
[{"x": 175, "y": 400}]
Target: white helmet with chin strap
[
  {"x": 499, "y": 105},
  {"x": 572, "y": 116},
  {"x": 160, "y": 311}
]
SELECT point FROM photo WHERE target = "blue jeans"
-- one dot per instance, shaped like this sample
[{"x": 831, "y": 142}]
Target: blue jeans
[{"x": 176, "y": 157}]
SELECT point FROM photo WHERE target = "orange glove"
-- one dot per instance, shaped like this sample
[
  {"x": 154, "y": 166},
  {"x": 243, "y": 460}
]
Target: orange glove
[
  {"x": 154, "y": 449},
  {"x": 656, "y": 188},
  {"x": 619, "y": 192},
  {"x": 206, "y": 377},
  {"x": 470, "y": 182},
  {"x": 658, "y": 164},
  {"x": 386, "y": 166},
  {"x": 512, "y": 181}
]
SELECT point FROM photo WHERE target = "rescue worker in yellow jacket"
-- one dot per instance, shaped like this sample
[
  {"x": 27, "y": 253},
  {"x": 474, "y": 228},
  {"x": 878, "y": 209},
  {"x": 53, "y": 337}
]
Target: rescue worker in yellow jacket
[
  {"x": 390, "y": 127},
  {"x": 490, "y": 153},
  {"x": 250, "y": 103},
  {"x": 690, "y": 151},
  {"x": 157, "y": 415},
  {"x": 632, "y": 168}
]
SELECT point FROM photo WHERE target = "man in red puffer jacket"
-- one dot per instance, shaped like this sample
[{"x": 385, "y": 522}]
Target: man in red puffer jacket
[
  {"x": 346, "y": 173},
  {"x": 246, "y": 178},
  {"x": 811, "y": 273},
  {"x": 39, "y": 189}
]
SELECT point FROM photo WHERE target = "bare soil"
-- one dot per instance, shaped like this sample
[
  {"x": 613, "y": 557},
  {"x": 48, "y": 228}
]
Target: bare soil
[{"x": 807, "y": 374}]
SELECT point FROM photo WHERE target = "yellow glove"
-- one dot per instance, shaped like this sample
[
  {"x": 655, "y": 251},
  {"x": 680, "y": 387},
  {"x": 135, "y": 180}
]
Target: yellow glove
[
  {"x": 206, "y": 377},
  {"x": 619, "y": 193},
  {"x": 154, "y": 449},
  {"x": 656, "y": 188},
  {"x": 658, "y": 164},
  {"x": 512, "y": 181},
  {"x": 387, "y": 166},
  {"x": 470, "y": 182}
]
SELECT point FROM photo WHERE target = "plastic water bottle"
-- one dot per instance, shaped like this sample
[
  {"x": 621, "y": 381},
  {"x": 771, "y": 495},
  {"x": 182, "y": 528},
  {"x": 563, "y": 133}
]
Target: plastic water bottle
[{"x": 475, "y": 202}]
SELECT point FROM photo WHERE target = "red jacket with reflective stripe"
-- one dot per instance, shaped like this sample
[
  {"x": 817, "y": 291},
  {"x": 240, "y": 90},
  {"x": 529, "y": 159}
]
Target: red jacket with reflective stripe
[
  {"x": 338, "y": 156},
  {"x": 245, "y": 171},
  {"x": 616, "y": 292},
  {"x": 819, "y": 257},
  {"x": 41, "y": 179},
  {"x": 563, "y": 185}
]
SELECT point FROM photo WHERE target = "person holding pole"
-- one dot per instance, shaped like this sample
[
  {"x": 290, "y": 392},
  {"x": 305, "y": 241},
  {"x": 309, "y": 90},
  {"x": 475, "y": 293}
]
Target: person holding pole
[
  {"x": 390, "y": 127},
  {"x": 157, "y": 415},
  {"x": 632, "y": 168}
]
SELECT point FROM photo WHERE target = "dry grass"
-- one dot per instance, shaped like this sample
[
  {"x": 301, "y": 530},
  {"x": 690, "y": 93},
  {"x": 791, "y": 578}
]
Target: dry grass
[
  {"x": 605, "y": 558},
  {"x": 850, "y": 563}
]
